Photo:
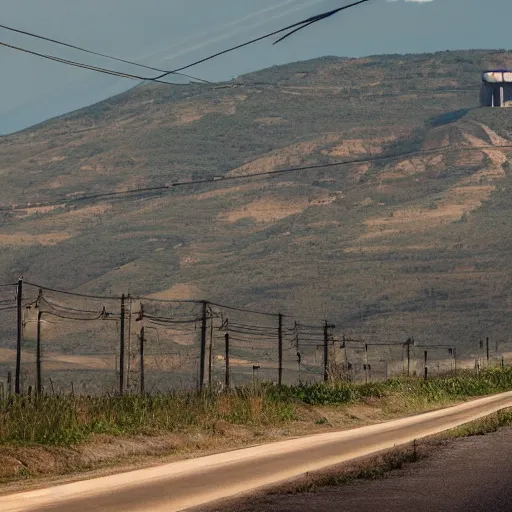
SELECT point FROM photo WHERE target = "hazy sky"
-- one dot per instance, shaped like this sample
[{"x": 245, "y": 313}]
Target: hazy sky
[{"x": 169, "y": 33}]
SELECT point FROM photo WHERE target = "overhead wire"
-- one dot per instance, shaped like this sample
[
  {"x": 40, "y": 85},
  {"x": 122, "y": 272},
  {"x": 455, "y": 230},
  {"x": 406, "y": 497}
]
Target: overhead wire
[
  {"x": 243, "y": 310},
  {"x": 8, "y": 308},
  {"x": 77, "y": 64},
  {"x": 290, "y": 29},
  {"x": 255, "y": 334},
  {"x": 91, "y": 52},
  {"x": 299, "y": 25},
  {"x": 54, "y": 305},
  {"x": 251, "y": 327},
  {"x": 270, "y": 174},
  {"x": 103, "y": 297},
  {"x": 75, "y": 294},
  {"x": 58, "y": 315},
  {"x": 319, "y": 17},
  {"x": 168, "y": 322}
]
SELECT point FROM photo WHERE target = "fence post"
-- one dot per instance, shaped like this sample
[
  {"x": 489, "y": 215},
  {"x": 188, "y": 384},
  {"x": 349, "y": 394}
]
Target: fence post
[
  {"x": 280, "y": 350},
  {"x": 141, "y": 354},
  {"x": 9, "y": 384},
  {"x": 121, "y": 348},
  {"x": 19, "y": 299},
  {"x": 487, "y": 346},
  {"x": 39, "y": 387},
  {"x": 203, "y": 347},
  {"x": 425, "y": 355},
  {"x": 227, "y": 361}
]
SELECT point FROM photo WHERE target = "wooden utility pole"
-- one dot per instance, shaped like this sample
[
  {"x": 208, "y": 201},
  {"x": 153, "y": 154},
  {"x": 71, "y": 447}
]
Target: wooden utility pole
[
  {"x": 227, "y": 360},
  {"x": 280, "y": 350},
  {"x": 39, "y": 387},
  {"x": 210, "y": 355},
  {"x": 326, "y": 349},
  {"x": 409, "y": 357},
  {"x": 366, "y": 362},
  {"x": 141, "y": 357},
  {"x": 129, "y": 347},
  {"x": 19, "y": 337},
  {"x": 121, "y": 348},
  {"x": 203, "y": 346}
]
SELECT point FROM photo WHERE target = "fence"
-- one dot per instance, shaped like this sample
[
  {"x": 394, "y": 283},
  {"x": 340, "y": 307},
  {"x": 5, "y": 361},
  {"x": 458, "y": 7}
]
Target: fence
[{"x": 59, "y": 342}]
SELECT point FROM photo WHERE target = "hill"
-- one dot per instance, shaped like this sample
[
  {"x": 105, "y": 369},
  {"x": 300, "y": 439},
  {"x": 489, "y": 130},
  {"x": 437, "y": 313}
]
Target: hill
[{"x": 415, "y": 245}]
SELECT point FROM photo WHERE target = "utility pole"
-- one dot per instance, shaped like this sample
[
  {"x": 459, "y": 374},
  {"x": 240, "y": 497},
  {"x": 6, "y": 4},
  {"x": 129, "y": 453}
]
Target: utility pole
[
  {"x": 409, "y": 358},
  {"x": 121, "y": 348},
  {"x": 280, "y": 350},
  {"x": 297, "y": 348},
  {"x": 227, "y": 360},
  {"x": 141, "y": 356},
  {"x": 38, "y": 355},
  {"x": 19, "y": 299},
  {"x": 210, "y": 355},
  {"x": 326, "y": 349},
  {"x": 203, "y": 346},
  {"x": 129, "y": 362},
  {"x": 366, "y": 363}
]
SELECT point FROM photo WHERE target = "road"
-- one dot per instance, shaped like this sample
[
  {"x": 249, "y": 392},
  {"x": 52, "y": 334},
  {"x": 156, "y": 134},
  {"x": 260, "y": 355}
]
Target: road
[
  {"x": 194, "y": 482},
  {"x": 471, "y": 474}
]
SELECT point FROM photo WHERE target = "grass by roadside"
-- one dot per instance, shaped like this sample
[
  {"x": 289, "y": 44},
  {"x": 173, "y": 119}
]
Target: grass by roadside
[
  {"x": 63, "y": 434},
  {"x": 69, "y": 420}
]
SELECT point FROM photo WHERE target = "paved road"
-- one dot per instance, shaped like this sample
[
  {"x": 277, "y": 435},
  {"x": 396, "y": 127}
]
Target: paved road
[
  {"x": 190, "y": 483},
  {"x": 467, "y": 475}
]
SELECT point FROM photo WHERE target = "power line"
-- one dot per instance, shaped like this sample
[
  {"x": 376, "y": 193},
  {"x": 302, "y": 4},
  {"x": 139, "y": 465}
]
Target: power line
[
  {"x": 58, "y": 315},
  {"x": 85, "y": 296},
  {"x": 319, "y": 17},
  {"x": 294, "y": 28},
  {"x": 243, "y": 310},
  {"x": 269, "y": 174},
  {"x": 56, "y": 306},
  {"x": 76, "y": 64},
  {"x": 170, "y": 321},
  {"x": 9, "y": 308},
  {"x": 91, "y": 52}
]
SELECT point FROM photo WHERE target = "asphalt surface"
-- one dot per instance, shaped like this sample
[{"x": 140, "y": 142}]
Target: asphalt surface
[
  {"x": 195, "y": 482},
  {"x": 468, "y": 475}
]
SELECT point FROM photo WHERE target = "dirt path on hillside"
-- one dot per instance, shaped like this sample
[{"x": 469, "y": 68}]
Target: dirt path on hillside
[{"x": 466, "y": 475}]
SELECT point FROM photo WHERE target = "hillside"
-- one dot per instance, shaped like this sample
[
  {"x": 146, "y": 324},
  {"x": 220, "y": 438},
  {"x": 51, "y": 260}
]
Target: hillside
[{"x": 411, "y": 246}]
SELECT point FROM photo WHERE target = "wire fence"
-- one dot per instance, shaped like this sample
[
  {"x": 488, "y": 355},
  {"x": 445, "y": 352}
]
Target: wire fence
[{"x": 55, "y": 341}]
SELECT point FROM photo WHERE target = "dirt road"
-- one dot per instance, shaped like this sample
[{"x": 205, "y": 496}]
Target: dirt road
[{"x": 190, "y": 483}]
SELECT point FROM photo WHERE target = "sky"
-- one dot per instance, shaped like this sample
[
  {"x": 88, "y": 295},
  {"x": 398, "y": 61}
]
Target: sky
[{"x": 171, "y": 33}]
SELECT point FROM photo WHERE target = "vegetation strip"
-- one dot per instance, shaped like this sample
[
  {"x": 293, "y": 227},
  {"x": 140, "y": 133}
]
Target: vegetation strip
[{"x": 67, "y": 426}]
